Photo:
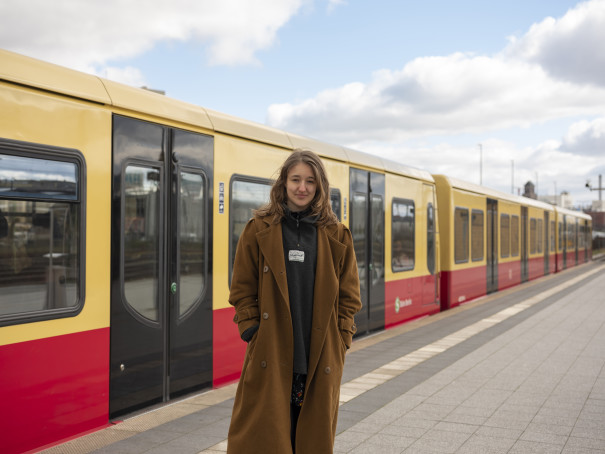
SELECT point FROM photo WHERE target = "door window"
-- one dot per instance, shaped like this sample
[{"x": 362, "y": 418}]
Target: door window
[
  {"x": 141, "y": 240},
  {"x": 377, "y": 216},
  {"x": 430, "y": 238},
  {"x": 358, "y": 230},
  {"x": 192, "y": 240}
]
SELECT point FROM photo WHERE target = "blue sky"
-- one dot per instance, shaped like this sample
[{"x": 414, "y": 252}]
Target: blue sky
[{"x": 421, "y": 83}]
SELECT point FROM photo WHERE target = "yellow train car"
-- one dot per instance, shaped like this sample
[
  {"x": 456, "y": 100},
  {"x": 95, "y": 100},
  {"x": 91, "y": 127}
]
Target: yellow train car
[
  {"x": 490, "y": 240},
  {"x": 412, "y": 271},
  {"x": 573, "y": 238}
]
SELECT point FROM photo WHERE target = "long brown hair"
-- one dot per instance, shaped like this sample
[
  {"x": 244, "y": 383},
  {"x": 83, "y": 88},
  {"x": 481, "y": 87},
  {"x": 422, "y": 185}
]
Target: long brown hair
[{"x": 320, "y": 205}]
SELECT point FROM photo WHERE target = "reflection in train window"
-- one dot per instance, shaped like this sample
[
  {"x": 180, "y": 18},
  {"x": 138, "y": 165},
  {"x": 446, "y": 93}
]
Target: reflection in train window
[
  {"x": 335, "y": 202},
  {"x": 504, "y": 235},
  {"x": 192, "y": 240},
  {"x": 40, "y": 236},
  {"x": 141, "y": 239},
  {"x": 514, "y": 235},
  {"x": 540, "y": 234},
  {"x": 461, "y": 235},
  {"x": 532, "y": 236},
  {"x": 403, "y": 235},
  {"x": 430, "y": 238},
  {"x": 552, "y": 236},
  {"x": 477, "y": 235},
  {"x": 247, "y": 195}
]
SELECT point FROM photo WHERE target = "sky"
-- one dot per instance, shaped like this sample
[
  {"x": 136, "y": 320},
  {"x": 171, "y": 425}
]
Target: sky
[{"x": 496, "y": 93}]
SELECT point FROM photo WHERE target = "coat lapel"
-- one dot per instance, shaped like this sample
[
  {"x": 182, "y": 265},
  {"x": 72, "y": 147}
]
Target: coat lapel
[
  {"x": 272, "y": 248},
  {"x": 325, "y": 294}
]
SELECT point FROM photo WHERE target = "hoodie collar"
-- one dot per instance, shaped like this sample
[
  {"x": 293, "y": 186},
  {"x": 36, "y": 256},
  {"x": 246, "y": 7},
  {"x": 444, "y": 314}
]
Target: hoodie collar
[{"x": 301, "y": 216}]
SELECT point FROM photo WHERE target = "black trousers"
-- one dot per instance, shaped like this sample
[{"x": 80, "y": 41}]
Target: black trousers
[{"x": 294, "y": 413}]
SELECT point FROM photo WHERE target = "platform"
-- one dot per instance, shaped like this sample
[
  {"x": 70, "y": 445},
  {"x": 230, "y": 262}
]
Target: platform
[{"x": 520, "y": 371}]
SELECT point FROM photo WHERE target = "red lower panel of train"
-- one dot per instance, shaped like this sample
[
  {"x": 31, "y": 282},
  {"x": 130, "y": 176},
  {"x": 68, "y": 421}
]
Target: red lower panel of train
[
  {"x": 462, "y": 285},
  {"x": 406, "y": 299},
  {"x": 53, "y": 389},
  {"x": 467, "y": 284},
  {"x": 228, "y": 348}
]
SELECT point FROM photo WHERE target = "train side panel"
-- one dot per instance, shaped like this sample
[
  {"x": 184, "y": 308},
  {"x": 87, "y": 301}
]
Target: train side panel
[
  {"x": 509, "y": 265},
  {"x": 244, "y": 181},
  {"x": 462, "y": 217},
  {"x": 412, "y": 270},
  {"x": 55, "y": 372}
]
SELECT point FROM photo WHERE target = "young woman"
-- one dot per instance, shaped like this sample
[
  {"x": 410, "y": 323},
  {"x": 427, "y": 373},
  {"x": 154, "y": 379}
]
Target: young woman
[{"x": 295, "y": 290}]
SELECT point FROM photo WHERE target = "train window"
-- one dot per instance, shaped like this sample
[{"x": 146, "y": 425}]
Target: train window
[
  {"x": 377, "y": 218},
  {"x": 430, "y": 238},
  {"x": 477, "y": 235},
  {"x": 359, "y": 210},
  {"x": 532, "y": 236},
  {"x": 514, "y": 236},
  {"x": 335, "y": 202},
  {"x": 540, "y": 235},
  {"x": 552, "y": 236},
  {"x": 41, "y": 232},
  {"x": 142, "y": 224},
  {"x": 403, "y": 235},
  {"x": 504, "y": 235},
  {"x": 561, "y": 235},
  {"x": 461, "y": 239},
  {"x": 247, "y": 194},
  {"x": 192, "y": 240},
  {"x": 571, "y": 236}
]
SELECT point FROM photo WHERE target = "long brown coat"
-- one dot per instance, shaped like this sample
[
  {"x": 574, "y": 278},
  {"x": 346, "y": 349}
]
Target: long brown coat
[{"x": 259, "y": 291}]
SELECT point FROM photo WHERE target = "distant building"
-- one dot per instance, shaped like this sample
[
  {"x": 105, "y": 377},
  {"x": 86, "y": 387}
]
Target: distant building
[
  {"x": 563, "y": 200},
  {"x": 598, "y": 205},
  {"x": 530, "y": 191}
]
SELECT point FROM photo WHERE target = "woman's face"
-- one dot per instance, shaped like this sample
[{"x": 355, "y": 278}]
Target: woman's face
[{"x": 300, "y": 187}]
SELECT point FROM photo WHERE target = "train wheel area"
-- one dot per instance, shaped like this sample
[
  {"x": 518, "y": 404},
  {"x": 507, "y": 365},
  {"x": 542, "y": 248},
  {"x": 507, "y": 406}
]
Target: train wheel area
[{"x": 520, "y": 370}]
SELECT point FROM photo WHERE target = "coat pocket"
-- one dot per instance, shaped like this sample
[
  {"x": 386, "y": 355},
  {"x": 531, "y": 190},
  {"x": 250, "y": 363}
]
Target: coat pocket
[{"x": 347, "y": 329}]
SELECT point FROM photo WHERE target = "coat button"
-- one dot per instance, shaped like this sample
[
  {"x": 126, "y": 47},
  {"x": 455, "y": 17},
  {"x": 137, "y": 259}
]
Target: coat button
[
  {"x": 265, "y": 315},
  {"x": 327, "y": 370},
  {"x": 263, "y": 364},
  {"x": 266, "y": 268}
]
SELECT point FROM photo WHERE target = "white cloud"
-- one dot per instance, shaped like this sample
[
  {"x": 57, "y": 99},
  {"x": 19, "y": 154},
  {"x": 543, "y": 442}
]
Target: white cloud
[
  {"x": 128, "y": 75},
  {"x": 438, "y": 95},
  {"x": 87, "y": 34},
  {"x": 569, "y": 48},
  {"x": 586, "y": 138},
  {"x": 466, "y": 93}
]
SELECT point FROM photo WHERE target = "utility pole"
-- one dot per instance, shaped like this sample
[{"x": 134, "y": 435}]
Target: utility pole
[{"x": 600, "y": 188}]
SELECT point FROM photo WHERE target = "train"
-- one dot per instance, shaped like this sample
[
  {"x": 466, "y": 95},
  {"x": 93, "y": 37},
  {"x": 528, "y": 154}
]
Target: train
[{"x": 120, "y": 212}]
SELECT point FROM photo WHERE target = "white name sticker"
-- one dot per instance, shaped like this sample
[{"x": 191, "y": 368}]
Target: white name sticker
[{"x": 296, "y": 256}]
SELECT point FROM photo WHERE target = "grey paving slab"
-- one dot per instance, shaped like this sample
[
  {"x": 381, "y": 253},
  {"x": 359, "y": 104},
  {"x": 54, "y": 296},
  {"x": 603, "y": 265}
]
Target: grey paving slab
[{"x": 522, "y": 392}]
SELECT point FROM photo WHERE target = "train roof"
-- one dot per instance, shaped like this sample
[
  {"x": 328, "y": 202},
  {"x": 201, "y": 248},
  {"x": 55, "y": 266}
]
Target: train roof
[
  {"x": 478, "y": 189},
  {"x": 49, "y": 77},
  {"x": 578, "y": 214}
]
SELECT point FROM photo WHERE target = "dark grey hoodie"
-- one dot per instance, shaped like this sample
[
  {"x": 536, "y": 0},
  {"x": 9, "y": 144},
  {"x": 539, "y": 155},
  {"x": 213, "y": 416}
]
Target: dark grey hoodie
[{"x": 300, "y": 252}]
